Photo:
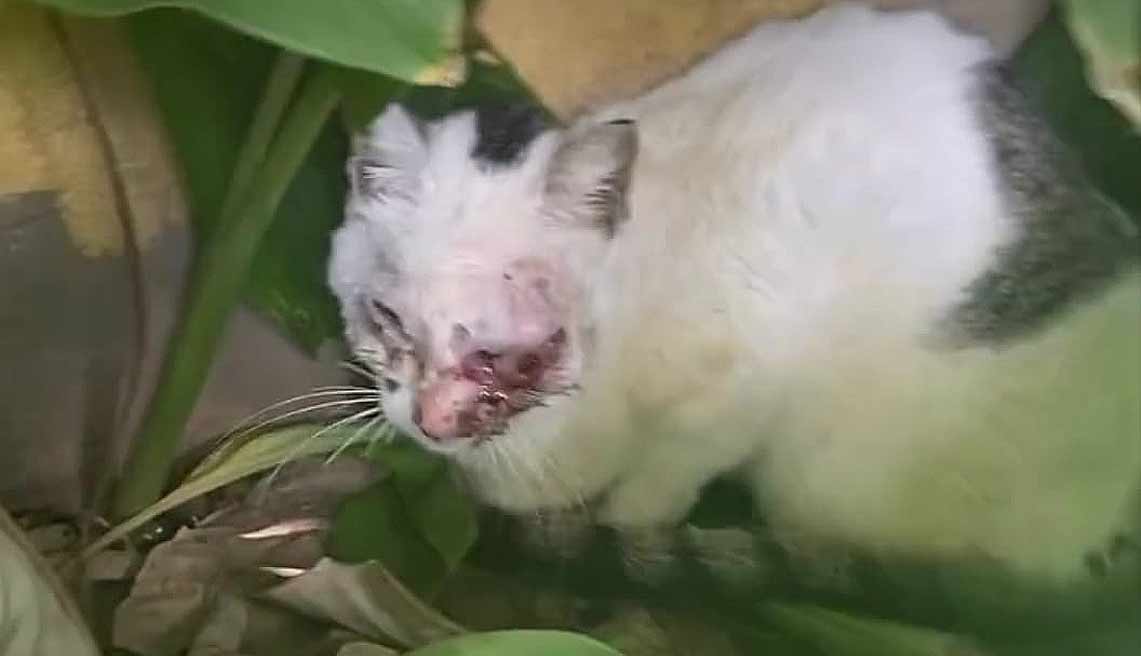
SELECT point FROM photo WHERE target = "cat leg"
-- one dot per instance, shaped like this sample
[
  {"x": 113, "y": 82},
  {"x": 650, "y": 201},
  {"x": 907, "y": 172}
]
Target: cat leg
[{"x": 662, "y": 489}]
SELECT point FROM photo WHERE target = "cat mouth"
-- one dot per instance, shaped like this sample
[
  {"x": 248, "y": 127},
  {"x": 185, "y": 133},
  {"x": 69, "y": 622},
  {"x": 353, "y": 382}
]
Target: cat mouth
[
  {"x": 476, "y": 399},
  {"x": 481, "y": 412},
  {"x": 495, "y": 407}
]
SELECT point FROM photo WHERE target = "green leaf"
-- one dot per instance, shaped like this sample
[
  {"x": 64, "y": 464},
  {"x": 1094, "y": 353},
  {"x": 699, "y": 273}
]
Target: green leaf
[
  {"x": 1108, "y": 147},
  {"x": 840, "y": 634},
  {"x": 287, "y": 282},
  {"x": 364, "y": 649},
  {"x": 411, "y": 466},
  {"x": 366, "y": 95},
  {"x": 413, "y": 40},
  {"x": 207, "y": 80},
  {"x": 255, "y": 455},
  {"x": 376, "y": 525},
  {"x": 417, "y": 522},
  {"x": 446, "y": 518},
  {"x": 518, "y": 643},
  {"x": 487, "y": 82},
  {"x": 1109, "y": 35}
]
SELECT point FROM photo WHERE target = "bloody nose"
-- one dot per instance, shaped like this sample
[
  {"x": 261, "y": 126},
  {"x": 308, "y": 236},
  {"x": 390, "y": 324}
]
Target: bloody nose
[
  {"x": 484, "y": 389},
  {"x": 443, "y": 409},
  {"x": 517, "y": 367}
]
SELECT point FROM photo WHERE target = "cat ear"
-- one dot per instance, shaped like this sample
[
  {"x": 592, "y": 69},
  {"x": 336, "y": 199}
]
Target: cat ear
[
  {"x": 387, "y": 159},
  {"x": 589, "y": 174}
]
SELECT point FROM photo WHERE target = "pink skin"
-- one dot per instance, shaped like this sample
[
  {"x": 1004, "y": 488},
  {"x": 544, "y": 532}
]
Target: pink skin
[
  {"x": 485, "y": 372},
  {"x": 478, "y": 396}
]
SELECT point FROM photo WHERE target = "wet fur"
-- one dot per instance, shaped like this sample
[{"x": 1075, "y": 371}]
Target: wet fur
[{"x": 844, "y": 262}]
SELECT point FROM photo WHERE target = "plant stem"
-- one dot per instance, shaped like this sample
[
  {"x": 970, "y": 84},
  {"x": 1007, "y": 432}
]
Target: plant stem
[
  {"x": 218, "y": 280},
  {"x": 279, "y": 88}
]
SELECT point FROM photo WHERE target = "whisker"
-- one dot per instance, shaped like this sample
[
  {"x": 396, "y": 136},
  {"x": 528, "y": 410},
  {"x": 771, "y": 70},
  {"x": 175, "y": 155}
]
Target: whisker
[
  {"x": 300, "y": 411},
  {"x": 544, "y": 481},
  {"x": 510, "y": 456},
  {"x": 369, "y": 425},
  {"x": 347, "y": 420},
  {"x": 345, "y": 388},
  {"x": 317, "y": 393},
  {"x": 555, "y": 474},
  {"x": 389, "y": 434},
  {"x": 386, "y": 433},
  {"x": 509, "y": 459},
  {"x": 295, "y": 450}
]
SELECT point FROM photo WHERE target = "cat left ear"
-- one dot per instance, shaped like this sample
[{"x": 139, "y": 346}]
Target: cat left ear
[
  {"x": 589, "y": 174},
  {"x": 386, "y": 160}
]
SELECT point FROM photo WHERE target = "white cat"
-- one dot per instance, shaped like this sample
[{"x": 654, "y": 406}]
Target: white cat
[{"x": 839, "y": 257}]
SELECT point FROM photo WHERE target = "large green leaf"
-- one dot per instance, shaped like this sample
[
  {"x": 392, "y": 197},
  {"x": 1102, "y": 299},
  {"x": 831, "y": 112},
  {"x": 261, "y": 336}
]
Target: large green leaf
[
  {"x": 414, "y": 40},
  {"x": 376, "y": 525},
  {"x": 1107, "y": 145},
  {"x": 446, "y": 517},
  {"x": 1109, "y": 35},
  {"x": 207, "y": 80},
  {"x": 417, "y": 521},
  {"x": 840, "y": 634},
  {"x": 258, "y": 454},
  {"x": 518, "y": 643}
]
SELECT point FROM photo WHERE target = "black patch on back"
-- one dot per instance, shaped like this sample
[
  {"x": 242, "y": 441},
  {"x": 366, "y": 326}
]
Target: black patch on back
[
  {"x": 503, "y": 132},
  {"x": 1072, "y": 241}
]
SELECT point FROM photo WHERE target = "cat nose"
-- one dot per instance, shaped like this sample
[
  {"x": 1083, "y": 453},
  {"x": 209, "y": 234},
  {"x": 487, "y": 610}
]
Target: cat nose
[
  {"x": 518, "y": 366},
  {"x": 443, "y": 410},
  {"x": 475, "y": 396}
]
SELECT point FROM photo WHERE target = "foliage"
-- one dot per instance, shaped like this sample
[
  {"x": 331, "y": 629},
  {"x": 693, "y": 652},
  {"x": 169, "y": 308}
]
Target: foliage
[
  {"x": 414, "y": 40},
  {"x": 268, "y": 450},
  {"x": 247, "y": 89},
  {"x": 517, "y": 643},
  {"x": 208, "y": 82},
  {"x": 417, "y": 521},
  {"x": 236, "y": 192},
  {"x": 1107, "y": 145},
  {"x": 1108, "y": 32}
]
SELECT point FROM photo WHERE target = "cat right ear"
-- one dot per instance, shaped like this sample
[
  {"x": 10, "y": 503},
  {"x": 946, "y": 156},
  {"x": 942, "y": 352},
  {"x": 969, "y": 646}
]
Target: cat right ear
[
  {"x": 589, "y": 174},
  {"x": 387, "y": 159}
]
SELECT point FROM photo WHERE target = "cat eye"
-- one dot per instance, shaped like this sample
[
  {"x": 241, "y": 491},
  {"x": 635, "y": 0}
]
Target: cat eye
[{"x": 385, "y": 316}]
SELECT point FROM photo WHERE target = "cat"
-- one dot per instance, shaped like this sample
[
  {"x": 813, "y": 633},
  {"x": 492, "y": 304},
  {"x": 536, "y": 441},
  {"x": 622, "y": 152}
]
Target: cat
[{"x": 841, "y": 259}]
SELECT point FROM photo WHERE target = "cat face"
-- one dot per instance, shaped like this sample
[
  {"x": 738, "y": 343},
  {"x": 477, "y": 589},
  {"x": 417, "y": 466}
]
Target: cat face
[{"x": 465, "y": 264}]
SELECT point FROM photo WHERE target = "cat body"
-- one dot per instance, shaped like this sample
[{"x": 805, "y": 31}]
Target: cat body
[{"x": 839, "y": 259}]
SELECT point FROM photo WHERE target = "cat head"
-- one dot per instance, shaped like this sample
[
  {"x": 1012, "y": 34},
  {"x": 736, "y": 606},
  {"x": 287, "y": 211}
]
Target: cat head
[{"x": 465, "y": 264}]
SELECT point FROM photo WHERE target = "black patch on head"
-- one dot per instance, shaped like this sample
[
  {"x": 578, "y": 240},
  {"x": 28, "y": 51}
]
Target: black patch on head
[
  {"x": 503, "y": 132},
  {"x": 1071, "y": 242}
]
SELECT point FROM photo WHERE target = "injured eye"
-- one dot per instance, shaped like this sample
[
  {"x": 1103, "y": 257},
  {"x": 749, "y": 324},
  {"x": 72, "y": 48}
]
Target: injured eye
[
  {"x": 384, "y": 317},
  {"x": 386, "y": 326}
]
